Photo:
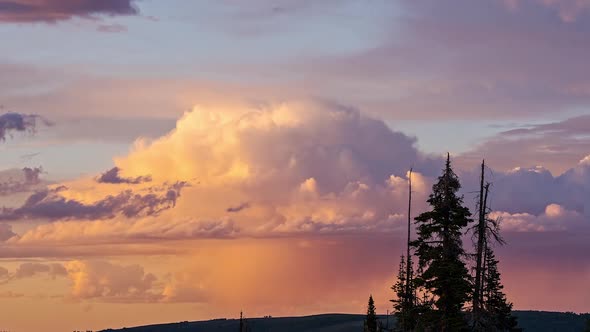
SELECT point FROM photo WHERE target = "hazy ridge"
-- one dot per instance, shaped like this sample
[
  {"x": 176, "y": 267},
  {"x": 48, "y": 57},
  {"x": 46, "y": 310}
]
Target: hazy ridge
[{"x": 538, "y": 321}]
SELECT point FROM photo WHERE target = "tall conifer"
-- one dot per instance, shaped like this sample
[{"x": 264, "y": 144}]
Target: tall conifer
[
  {"x": 440, "y": 251},
  {"x": 498, "y": 311},
  {"x": 371, "y": 319}
]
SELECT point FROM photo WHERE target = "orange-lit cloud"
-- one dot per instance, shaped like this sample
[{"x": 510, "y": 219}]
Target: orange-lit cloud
[
  {"x": 555, "y": 217},
  {"x": 283, "y": 169}
]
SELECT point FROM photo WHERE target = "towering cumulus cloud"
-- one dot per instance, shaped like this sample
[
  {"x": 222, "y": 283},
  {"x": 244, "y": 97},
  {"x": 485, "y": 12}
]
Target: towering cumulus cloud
[
  {"x": 292, "y": 168},
  {"x": 58, "y": 10},
  {"x": 287, "y": 168}
]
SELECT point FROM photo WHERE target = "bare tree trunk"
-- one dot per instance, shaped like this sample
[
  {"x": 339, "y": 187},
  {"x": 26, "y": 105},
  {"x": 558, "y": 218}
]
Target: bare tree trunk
[
  {"x": 409, "y": 261},
  {"x": 481, "y": 228}
]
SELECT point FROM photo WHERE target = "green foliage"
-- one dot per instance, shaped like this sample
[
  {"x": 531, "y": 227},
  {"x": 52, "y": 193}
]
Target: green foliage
[
  {"x": 371, "y": 319},
  {"x": 440, "y": 251}
]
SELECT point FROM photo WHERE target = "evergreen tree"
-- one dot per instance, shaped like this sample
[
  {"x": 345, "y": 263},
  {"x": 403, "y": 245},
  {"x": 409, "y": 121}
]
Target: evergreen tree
[
  {"x": 371, "y": 319},
  {"x": 498, "y": 311},
  {"x": 404, "y": 305},
  {"x": 491, "y": 310},
  {"x": 587, "y": 325},
  {"x": 440, "y": 251}
]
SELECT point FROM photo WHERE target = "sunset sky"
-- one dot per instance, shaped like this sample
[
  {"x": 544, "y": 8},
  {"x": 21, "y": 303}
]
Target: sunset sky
[{"x": 195, "y": 158}]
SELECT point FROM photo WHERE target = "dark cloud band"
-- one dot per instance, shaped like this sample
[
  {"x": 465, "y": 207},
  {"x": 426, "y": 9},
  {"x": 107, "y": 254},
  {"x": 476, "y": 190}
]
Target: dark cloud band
[{"x": 60, "y": 10}]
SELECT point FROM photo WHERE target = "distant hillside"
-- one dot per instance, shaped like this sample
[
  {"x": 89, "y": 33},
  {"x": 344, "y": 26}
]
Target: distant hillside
[{"x": 534, "y": 321}]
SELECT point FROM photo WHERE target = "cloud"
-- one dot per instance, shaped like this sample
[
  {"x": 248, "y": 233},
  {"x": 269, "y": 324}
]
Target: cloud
[
  {"x": 110, "y": 282},
  {"x": 297, "y": 168},
  {"x": 28, "y": 270},
  {"x": 265, "y": 156},
  {"x": 112, "y": 28},
  {"x": 17, "y": 181},
  {"x": 3, "y": 273},
  {"x": 48, "y": 204},
  {"x": 183, "y": 286},
  {"x": 6, "y": 232},
  {"x": 112, "y": 176},
  {"x": 554, "y": 218},
  {"x": 492, "y": 63},
  {"x": 10, "y": 294},
  {"x": 531, "y": 189},
  {"x": 238, "y": 208},
  {"x": 50, "y": 11},
  {"x": 15, "y": 122},
  {"x": 556, "y": 146},
  {"x": 121, "y": 230},
  {"x": 568, "y": 10},
  {"x": 290, "y": 169},
  {"x": 308, "y": 167}
]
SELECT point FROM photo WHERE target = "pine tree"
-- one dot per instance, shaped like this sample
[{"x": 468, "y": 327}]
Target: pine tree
[
  {"x": 404, "y": 305},
  {"x": 440, "y": 251},
  {"x": 491, "y": 310},
  {"x": 498, "y": 311},
  {"x": 371, "y": 319}
]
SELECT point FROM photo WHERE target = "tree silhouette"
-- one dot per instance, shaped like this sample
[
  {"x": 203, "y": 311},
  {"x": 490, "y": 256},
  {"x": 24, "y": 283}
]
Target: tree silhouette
[
  {"x": 440, "y": 251},
  {"x": 371, "y": 319},
  {"x": 480, "y": 232},
  {"x": 491, "y": 310},
  {"x": 403, "y": 304},
  {"x": 498, "y": 311}
]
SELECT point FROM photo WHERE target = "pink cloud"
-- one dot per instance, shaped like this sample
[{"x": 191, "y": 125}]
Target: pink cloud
[{"x": 59, "y": 10}]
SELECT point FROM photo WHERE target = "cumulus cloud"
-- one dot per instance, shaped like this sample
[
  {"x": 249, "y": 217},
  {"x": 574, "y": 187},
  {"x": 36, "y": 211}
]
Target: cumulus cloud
[
  {"x": 293, "y": 168},
  {"x": 110, "y": 282},
  {"x": 59, "y": 10},
  {"x": 299, "y": 166},
  {"x": 28, "y": 270},
  {"x": 554, "y": 218},
  {"x": 48, "y": 204},
  {"x": 183, "y": 286},
  {"x": 16, "y": 181},
  {"x": 531, "y": 189},
  {"x": 286, "y": 168},
  {"x": 112, "y": 176}
]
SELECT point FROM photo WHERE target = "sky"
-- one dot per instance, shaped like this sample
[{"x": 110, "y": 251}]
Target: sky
[{"x": 183, "y": 160}]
